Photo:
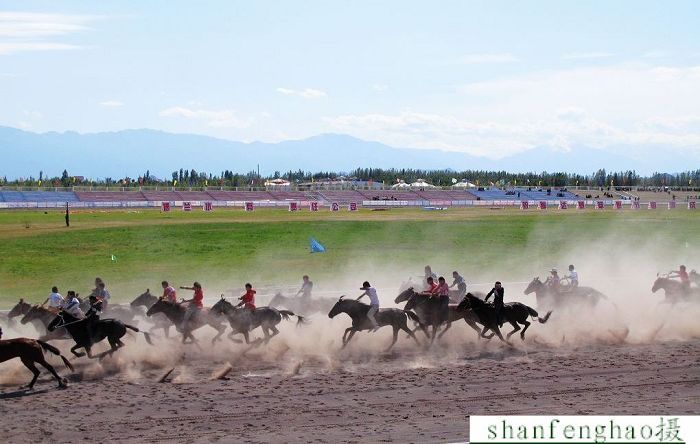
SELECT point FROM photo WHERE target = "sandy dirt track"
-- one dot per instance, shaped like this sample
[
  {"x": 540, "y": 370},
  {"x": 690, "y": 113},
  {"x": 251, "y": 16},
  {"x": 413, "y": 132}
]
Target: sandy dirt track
[{"x": 354, "y": 396}]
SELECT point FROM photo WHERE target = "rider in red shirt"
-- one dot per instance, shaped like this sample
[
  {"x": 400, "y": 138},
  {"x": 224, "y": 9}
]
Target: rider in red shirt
[
  {"x": 432, "y": 287},
  {"x": 196, "y": 304},
  {"x": 169, "y": 293},
  {"x": 682, "y": 274},
  {"x": 248, "y": 299}
]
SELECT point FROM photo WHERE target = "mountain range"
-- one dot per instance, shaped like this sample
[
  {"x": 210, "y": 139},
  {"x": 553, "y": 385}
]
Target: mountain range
[{"x": 131, "y": 152}]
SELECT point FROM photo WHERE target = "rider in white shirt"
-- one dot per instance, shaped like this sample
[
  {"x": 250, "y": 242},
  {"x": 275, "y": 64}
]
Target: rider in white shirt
[
  {"x": 373, "y": 303},
  {"x": 72, "y": 306},
  {"x": 573, "y": 277},
  {"x": 55, "y": 300}
]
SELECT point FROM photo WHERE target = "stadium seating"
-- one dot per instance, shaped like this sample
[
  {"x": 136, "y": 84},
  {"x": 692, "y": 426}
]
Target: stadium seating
[
  {"x": 241, "y": 195},
  {"x": 164, "y": 196},
  {"x": 343, "y": 197},
  {"x": 389, "y": 195},
  {"x": 110, "y": 196},
  {"x": 194, "y": 195}
]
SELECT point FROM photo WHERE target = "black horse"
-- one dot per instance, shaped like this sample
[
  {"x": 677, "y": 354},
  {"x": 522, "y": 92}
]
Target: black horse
[
  {"x": 243, "y": 320},
  {"x": 159, "y": 320},
  {"x": 111, "y": 329},
  {"x": 513, "y": 312},
  {"x": 176, "y": 313},
  {"x": 428, "y": 311},
  {"x": 547, "y": 297},
  {"x": 385, "y": 316}
]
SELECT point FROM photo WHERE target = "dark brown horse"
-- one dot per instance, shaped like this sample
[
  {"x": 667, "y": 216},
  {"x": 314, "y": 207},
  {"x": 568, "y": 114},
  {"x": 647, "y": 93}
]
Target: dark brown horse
[
  {"x": 43, "y": 316},
  {"x": 176, "y": 313},
  {"x": 30, "y": 352},
  {"x": 243, "y": 320},
  {"x": 159, "y": 320},
  {"x": 385, "y": 316},
  {"x": 427, "y": 310}
]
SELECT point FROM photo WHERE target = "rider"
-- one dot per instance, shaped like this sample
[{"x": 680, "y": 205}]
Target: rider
[
  {"x": 93, "y": 314},
  {"x": 196, "y": 303},
  {"x": 497, "y": 292},
  {"x": 371, "y": 292},
  {"x": 431, "y": 287},
  {"x": 55, "y": 300},
  {"x": 102, "y": 294},
  {"x": 71, "y": 305},
  {"x": 572, "y": 277},
  {"x": 553, "y": 280},
  {"x": 169, "y": 293},
  {"x": 682, "y": 274},
  {"x": 248, "y": 298},
  {"x": 443, "y": 293},
  {"x": 306, "y": 288},
  {"x": 461, "y": 285}
]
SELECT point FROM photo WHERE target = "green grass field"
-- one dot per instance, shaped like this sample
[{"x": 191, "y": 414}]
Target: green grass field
[{"x": 229, "y": 247}]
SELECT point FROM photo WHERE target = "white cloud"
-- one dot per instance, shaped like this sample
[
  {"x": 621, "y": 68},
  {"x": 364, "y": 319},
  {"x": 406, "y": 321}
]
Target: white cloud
[
  {"x": 27, "y": 31},
  {"x": 111, "y": 103},
  {"x": 307, "y": 93},
  {"x": 214, "y": 118},
  {"x": 488, "y": 58},
  {"x": 7, "y": 48},
  {"x": 586, "y": 55},
  {"x": 380, "y": 87},
  {"x": 600, "y": 107}
]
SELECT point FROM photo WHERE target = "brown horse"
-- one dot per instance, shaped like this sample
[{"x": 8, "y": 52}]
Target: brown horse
[{"x": 31, "y": 351}]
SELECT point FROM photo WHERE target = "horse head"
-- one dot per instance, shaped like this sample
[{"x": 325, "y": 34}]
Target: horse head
[
  {"x": 660, "y": 282},
  {"x": 30, "y": 315},
  {"x": 143, "y": 299},
  {"x": 222, "y": 306},
  {"x": 20, "y": 309},
  {"x": 534, "y": 285},
  {"x": 159, "y": 307},
  {"x": 278, "y": 298},
  {"x": 337, "y": 307},
  {"x": 404, "y": 295}
]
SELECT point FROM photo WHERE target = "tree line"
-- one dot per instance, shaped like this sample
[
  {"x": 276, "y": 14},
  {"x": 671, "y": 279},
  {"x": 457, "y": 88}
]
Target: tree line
[{"x": 185, "y": 177}]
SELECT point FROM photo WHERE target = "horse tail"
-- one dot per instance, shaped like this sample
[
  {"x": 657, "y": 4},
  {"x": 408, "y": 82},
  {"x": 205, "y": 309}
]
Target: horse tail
[
  {"x": 55, "y": 351},
  {"x": 145, "y": 334},
  {"x": 300, "y": 319},
  {"x": 531, "y": 311},
  {"x": 546, "y": 317},
  {"x": 414, "y": 317}
]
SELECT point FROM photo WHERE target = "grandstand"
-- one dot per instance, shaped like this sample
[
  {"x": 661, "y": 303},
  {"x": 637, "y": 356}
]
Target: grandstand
[{"x": 122, "y": 197}]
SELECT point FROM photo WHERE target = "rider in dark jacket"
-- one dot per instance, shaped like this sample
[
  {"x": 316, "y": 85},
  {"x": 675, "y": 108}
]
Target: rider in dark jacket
[{"x": 497, "y": 292}]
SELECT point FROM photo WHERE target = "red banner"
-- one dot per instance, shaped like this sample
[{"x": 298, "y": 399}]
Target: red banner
[
  {"x": 187, "y": 206},
  {"x": 542, "y": 205},
  {"x": 335, "y": 206},
  {"x": 691, "y": 205},
  {"x": 562, "y": 205},
  {"x": 600, "y": 205},
  {"x": 293, "y": 206},
  {"x": 524, "y": 205},
  {"x": 249, "y": 206},
  {"x": 165, "y": 207},
  {"x": 581, "y": 204},
  {"x": 313, "y": 206},
  {"x": 207, "y": 206},
  {"x": 352, "y": 206},
  {"x": 652, "y": 205}
]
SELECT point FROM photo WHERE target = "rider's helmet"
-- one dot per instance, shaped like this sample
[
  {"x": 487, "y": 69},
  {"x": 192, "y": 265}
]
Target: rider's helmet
[{"x": 571, "y": 267}]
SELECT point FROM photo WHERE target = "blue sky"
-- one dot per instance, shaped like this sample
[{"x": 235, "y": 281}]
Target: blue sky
[{"x": 489, "y": 78}]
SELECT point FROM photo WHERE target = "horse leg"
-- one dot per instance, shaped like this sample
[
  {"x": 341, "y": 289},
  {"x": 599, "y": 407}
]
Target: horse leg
[
  {"x": 231, "y": 334},
  {"x": 522, "y": 333},
  {"x": 275, "y": 332},
  {"x": 347, "y": 330},
  {"x": 396, "y": 336},
  {"x": 75, "y": 351},
  {"x": 352, "y": 333},
  {"x": 516, "y": 328},
  {"x": 30, "y": 365},
  {"x": 266, "y": 332},
  {"x": 447, "y": 327},
  {"x": 49, "y": 367},
  {"x": 410, "y": 333},
  {"x": 473, "y": 325}
]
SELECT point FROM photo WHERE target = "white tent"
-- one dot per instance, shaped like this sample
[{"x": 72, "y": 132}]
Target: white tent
[
  {"x": 421, "y": 183},
  {"x": 464, "y": 184},
  {"x": 400, "y": 185},
  {"x": 277, "y": 183}
]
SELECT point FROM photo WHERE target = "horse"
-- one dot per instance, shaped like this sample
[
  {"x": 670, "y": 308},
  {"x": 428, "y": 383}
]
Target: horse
[
  {"x": 426, "y": 308},
  {"x": 43, "y": 316},
  {"x": 176, "y": 313},
  {"x": 112, "y": 329},
  {"x": 159, "y": 320},
  {"x": 301, "y": 304},
  {"x": 576, "y": 296},
  {"x": 513, "y": 312},
  {"x": 30, "y": 352},
  {"x": 243, "y": 320},
  {"x": 674, "y": 290},
  {"x": 385, "y": 316}
]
